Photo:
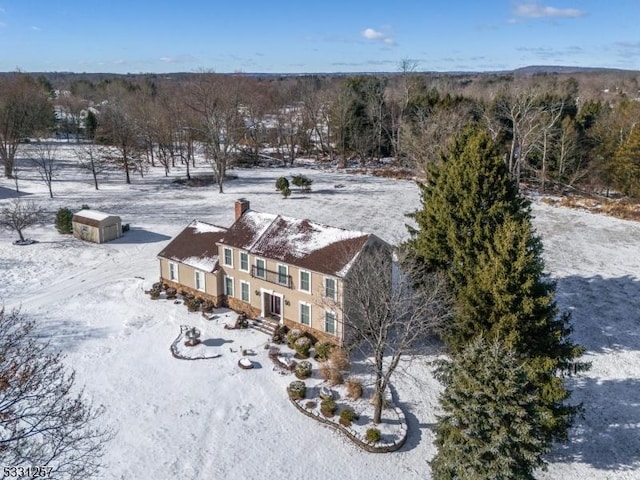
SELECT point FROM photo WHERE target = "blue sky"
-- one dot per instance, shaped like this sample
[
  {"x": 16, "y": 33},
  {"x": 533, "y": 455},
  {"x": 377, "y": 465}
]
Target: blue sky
[{"x": 328, "y": 36}]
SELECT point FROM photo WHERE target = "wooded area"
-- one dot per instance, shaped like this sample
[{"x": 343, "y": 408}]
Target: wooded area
[{"x": 555, "y": 130}]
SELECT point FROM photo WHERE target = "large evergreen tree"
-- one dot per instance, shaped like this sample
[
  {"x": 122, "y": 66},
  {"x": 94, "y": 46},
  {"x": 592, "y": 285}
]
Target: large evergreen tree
[
  {"x": 491, "y": 424},
  {"x": 475, "y": 226}
]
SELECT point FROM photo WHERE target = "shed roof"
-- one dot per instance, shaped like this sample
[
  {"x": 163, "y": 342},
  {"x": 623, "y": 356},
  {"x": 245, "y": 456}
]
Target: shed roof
[
  {"x": 196, "y": 246},
  {"x": 93, "y": 218}
]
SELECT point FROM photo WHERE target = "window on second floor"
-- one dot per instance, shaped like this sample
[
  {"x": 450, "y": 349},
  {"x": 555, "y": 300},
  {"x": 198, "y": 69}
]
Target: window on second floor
[
  {"x": 283, "y": 275},
  {"x": 330, "y": 290},
  {"x": 227, "y": 257},
  {"x": 261, "y": 270},
  {"x": 244, "y": 261},
  {"x": 305, "y": 281}
]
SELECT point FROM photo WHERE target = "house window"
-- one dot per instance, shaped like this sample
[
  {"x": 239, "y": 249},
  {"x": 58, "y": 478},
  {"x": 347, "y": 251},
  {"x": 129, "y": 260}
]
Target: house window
[
  {"x": 330, "y": 322},
  {"x": 173, "y": 271},
  {"x": 330, "y": 288},
  {"x": 200, "y": 280},
  {"x": 228, "y": 257},
  {"x": 305, "y": 313},
  {"x": 283, "y": 275},
  {"x": 261, "y": 271},
  {"x": 244, "y": 291},
  {"x": 228, "y": 286},
  {"x": 244, "y": 261},
  {"x": 305, "y": 281}
]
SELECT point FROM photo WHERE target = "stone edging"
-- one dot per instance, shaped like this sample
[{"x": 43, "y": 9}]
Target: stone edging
[
  {"x": 363, "y": 445},
  {"x": 176, "y": 354}
]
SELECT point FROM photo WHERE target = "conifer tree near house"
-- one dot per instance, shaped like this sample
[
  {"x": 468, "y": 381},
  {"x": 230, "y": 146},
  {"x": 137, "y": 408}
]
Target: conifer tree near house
[
  {"x": 476, "y": 227},
  {"x": 489, "y": 429}
]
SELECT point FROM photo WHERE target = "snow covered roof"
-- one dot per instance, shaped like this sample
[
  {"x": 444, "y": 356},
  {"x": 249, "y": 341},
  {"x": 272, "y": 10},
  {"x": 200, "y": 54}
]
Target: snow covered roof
[
  {"x": 196, "y": 246},
  {"x": 92, "y": 217},
  {"x": 302, "y": 243}
]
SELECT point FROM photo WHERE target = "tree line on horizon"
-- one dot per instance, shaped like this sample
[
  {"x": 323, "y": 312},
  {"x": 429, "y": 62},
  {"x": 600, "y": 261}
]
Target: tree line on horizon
[{"x": 567, "y": 131}]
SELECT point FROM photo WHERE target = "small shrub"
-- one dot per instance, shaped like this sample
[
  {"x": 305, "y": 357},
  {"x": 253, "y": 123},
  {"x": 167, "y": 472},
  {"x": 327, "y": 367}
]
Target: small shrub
[
  {"x": 280, "y": 334},
  {"x": 302, "y": 346},
  {"x": 297, "y": 390},
  {"x": 303, "y": 369},
  {"x": 293, "y": 335},
  {"x": 64, "y": 218},
  {"x": 310, "y": 405},
  {"x": 301, "y": 182},
  {"x": 328, "y": 407},
  {"x": 347, "y": 416},
  {"x": 286, "y": 192},
  {"x": 354, "y": 388},
  {"x": 207, "y": 306},
  {"x": 372, "y": 435},
  {"x": 331, "y": 374},
  {"x": 323, "y": 349},
  {"x": 282, "y": 183},
  {"x": 339, "y": 359},
  {"x": 171, "y": 293}
]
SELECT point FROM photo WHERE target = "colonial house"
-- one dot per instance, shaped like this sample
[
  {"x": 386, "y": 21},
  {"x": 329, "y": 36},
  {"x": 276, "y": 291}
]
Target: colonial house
[{"x": 268, "y": 266}]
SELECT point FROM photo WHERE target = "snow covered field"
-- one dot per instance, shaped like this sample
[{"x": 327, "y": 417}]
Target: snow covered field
[{"x": 208, "y": 418}]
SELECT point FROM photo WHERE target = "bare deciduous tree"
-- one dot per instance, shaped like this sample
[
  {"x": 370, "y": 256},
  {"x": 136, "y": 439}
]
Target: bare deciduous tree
[
  {"x": 19, "y": 215},
  {"x": 24, "y": 108},
  {"x": 93, "y": 159},
  {"x": 388, "y": 316},
  {"x": 44, "y": 420},
  {"x": 43, "y": 156}
]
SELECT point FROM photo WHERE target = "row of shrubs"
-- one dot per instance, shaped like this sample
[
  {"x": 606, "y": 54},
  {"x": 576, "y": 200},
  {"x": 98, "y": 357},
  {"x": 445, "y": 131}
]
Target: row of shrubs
[{"x": 328, "y": 407}]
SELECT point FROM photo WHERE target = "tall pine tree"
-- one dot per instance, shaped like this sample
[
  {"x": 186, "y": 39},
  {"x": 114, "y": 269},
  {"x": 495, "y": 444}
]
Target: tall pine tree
[
  {"x": 475, "y": 226},
  {"x": 491, "y": 423}
]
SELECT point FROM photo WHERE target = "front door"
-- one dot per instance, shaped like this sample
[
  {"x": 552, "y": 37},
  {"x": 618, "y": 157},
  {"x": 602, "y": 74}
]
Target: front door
[{"x": 276, "y": 306}]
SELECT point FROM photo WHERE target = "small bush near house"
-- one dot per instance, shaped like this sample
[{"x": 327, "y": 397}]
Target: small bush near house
[
  {"x": 310, "y": 405},
  {"x": 64, "y": 218},
  {"x": 323, "y": 349},
  {"x": 280, "y": 334},
  {"x": 372, "y": 435},
  {"x": 171, "y": 293},
  {"x": 328, "y": 407},
  {"x": 302, "y": 346},
  {"x": 297, "y": 390},
  {"x": 303, "y": 370},
  {"x": 347, "y": 416},
  {"x": 207, "y": 306},
  {"x": 293, "y": 335},
  {"x": 354, "y": 388},
  {"x": 339, "y": 359},
  {"x": 331, "y": 374}
]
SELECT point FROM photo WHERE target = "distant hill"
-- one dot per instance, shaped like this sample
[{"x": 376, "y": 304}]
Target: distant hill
[{"x": 541, "y": 69}]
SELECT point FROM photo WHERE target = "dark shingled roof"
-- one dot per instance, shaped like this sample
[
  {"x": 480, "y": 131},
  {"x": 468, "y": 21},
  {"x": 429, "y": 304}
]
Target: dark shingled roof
[
  {"x": 196, "y": 246},
  {"x": 302, "y": 243}
]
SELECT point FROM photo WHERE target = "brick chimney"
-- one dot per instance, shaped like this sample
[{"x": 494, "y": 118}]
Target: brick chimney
[{"x": 242, "y": 205}]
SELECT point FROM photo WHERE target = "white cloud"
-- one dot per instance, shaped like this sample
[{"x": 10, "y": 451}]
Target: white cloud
[
  {"x": 35, "y": 29},
  {"x": 185, "y": 58},
  {"x": 537, "y": 10},
  {"x": 371, "y": 34}
]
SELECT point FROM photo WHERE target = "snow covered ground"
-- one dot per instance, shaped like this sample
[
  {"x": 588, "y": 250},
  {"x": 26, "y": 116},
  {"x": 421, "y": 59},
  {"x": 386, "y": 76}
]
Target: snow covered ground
[{"x": 208, "y": 418}]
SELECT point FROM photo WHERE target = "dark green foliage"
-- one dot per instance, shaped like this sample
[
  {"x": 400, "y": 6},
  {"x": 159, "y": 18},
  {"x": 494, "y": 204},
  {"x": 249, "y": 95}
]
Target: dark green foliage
[
  {"x": 286, "y": 192},
  {"x": 91, "y": 125},
  {"x": 626, "y": 165},
  {"x": 323, "y": 349},
  {"x": 64, "y": 218},
  {"x": 476, "y": 227},
  {"x": 492, "y": 424},
  {"x": 282, "y": 183},
  {"x": 301, "y": 182},
  {"x": 303, "y": 370},
  {"x": 328, "y": 407},
  {"x": 347, "y": 416},
  {"x": 373, "y": 435},
  {"x": 297, "y": 390}
]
